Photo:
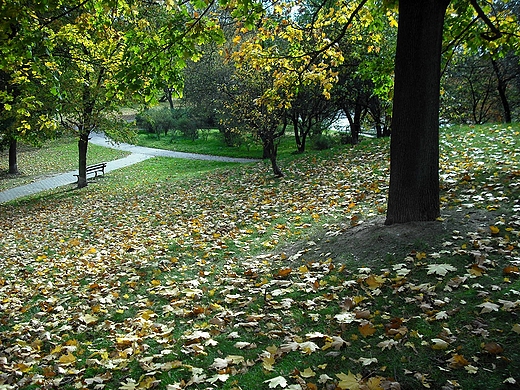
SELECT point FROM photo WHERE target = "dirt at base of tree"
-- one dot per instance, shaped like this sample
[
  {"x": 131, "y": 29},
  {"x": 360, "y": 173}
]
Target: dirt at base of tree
[{"x": 371, "y": 242}]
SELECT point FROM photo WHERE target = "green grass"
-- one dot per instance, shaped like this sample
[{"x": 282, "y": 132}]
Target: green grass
[
  {"x": 56, "y": 156},
  {"x": 211, "y": 142},
  {"x": 154, "y": 273}
]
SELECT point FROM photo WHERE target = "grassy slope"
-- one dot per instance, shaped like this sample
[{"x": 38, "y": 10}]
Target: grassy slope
[{"x": 175, "y": 276}]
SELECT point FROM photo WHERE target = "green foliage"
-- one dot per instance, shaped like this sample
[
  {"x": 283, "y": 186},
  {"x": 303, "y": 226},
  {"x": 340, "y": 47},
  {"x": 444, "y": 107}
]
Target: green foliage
[
  {"x": 157, "y": 121},
  {"x": 323, "y": 141},
  {"x": 162, "y": 120}
]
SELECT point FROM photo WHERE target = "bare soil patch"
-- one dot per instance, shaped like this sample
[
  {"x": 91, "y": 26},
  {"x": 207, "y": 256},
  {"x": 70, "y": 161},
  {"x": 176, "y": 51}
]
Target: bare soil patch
[{"x": 371, "y": 241}]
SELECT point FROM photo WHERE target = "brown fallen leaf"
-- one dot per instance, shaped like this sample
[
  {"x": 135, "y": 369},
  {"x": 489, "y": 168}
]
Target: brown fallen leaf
[
  {"x": 367, "y": 329},
  {"x": 283, "y": 273},
  {"x": 457, "y": 361},
  {"x": 493, "y": 348}
]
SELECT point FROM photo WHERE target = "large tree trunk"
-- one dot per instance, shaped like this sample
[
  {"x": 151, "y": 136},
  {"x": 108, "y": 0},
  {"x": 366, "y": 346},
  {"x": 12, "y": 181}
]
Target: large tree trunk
[
  {"x": 82, "y": 149},
  {"x": 13, "y": 157},
  {"x": 414, "y": 147}
]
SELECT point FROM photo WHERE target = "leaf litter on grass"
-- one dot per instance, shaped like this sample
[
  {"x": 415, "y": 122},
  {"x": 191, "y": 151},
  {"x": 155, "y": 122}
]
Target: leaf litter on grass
[{"x": 195, "y": 284}]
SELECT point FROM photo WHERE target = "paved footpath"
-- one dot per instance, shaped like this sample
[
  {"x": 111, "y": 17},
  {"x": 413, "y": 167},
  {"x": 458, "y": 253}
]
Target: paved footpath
[{"x": 138, "y": 154}]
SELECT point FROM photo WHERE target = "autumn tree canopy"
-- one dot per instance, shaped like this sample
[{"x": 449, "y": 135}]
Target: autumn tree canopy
[{"x": 93, "y": 55}]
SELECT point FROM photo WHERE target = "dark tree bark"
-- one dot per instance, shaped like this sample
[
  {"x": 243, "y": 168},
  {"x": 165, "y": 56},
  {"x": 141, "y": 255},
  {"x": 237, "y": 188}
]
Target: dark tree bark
[
  {"x": 502, "y": 87},
  {"x": 13, "y": 157},
  {"x": 414, "y": 148},
  {"x": 270, "y": 151},
  {"x": 82, "y": 149},
  {"x": 354, "y": 123}
]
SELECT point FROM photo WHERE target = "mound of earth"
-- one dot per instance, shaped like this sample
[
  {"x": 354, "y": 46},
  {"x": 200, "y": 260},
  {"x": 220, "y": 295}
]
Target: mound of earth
[{"x": 371, "y": 241}]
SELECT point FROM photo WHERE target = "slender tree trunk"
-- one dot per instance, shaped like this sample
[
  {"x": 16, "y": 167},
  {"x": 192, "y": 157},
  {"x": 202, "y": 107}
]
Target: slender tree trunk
[
  {"x": 300, "y": 144},
  {"x": 82, "y": 149},
  {"x": 379, "y": 130},
  {"x": 414, "y": 148},
  {"x": 13, "y": 157},
  {"x": 169, "y": 97},
  {"x": 274, "y": 164},
  {"x": 502, "y": 86},
  {"x": 356, "y": 126}
]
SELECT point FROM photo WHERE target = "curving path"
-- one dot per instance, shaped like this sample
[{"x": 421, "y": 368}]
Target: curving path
[{"x": 138, "y": 154}]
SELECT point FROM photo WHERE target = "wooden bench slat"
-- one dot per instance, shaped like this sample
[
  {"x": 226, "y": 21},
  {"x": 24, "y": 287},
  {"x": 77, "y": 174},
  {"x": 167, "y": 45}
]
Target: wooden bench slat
[{"x": 95, "y": 168}]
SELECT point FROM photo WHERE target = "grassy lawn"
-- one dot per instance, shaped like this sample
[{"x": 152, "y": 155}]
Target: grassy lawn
[
  {"x": 56, "y": 156},
  {"x": 211, "y": 142},
  {"x": 176, "y": 274}
]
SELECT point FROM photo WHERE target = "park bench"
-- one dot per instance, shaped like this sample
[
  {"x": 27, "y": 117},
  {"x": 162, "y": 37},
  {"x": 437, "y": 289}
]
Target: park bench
[{"x": 95, "y": 168}]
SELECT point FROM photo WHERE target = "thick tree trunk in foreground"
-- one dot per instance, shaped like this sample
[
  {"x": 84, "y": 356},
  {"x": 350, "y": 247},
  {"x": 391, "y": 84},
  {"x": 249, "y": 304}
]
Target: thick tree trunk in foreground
[
  {"x": 13, "y": 157},
  {"x": 82, "y": 149},
  {"x": 414, "y": 148}
]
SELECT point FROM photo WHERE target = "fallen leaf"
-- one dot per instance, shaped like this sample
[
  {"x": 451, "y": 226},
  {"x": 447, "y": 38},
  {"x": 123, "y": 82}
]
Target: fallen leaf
[
  {"x": 516, "y": 328},
  {"x": 488, "y": 307},
  {"x": 348, "y": 382},
  {"x": 278, "y": 381},
  {"x": 367, "y": 329},
  {"x": 307, "y": 373},
  {"x": 69, "y": 358},
  {"x": 493, "y": 348},
  {"x": 458, "y": 361},
  {"x": 440, "y": 269},
  {"x": 283, "y": 273},
  {"x": 439, "y": 344}
]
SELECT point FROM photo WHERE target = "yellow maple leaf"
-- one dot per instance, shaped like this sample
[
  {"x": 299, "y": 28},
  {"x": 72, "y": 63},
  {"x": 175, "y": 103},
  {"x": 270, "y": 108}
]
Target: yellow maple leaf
[
  {"x": 374, "y": 282},
  {"x": 147, "y": 382},
  {"x": 23, "y": 367},
  {"x": 494, "y": 229},
  {"x": 476, "y": 270},
  {"x": 307, "y": 373},
  {"x": 67, "y": 359},
  {"x": 268, "y": 362},
  {"x": 458, "y": 361},
  {"x": 420, "y": 255},
  {"x": 367, "y": 329},
  {"x": 374, "y": 383},
  {"x": 348, "y": 382}
]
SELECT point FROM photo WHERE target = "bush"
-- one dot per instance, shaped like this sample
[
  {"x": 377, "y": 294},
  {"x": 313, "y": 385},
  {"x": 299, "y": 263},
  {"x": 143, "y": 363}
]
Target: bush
[
  {"x": 188, "y": 128},
  {"x": 162, "y": 120},
  {"x": 157, "y": 121},
  {"x": 346, "y": 138},
  {"x": 322, "y": 142}
]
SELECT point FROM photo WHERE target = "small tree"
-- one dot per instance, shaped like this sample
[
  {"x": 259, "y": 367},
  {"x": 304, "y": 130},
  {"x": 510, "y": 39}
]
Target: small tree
[
  {"x": 250, "y": 111},
  {"x": 89, "y": 53},
  {"x": 309, "y": 109}
]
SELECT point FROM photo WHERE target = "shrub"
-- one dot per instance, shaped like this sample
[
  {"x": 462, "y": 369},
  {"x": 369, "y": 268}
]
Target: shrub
[
  {"x": 322, "y": 142},
  {"x": 162, "y": 120},
  {"x": 188, "y": 127},
  {"x": 346, "y": 138}
]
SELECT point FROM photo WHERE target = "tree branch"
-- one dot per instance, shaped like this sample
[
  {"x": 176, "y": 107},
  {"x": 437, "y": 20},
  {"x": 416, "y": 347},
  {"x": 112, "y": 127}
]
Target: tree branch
[
  {"x": 64, "y": 13},
  {"x": 495, "y": 32}
]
